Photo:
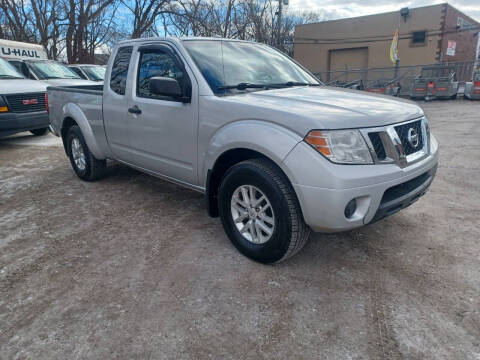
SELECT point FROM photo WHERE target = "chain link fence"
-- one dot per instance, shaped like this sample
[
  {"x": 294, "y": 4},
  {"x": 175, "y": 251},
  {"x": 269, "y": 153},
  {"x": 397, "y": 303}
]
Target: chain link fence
[{"x": 403, "y": 75}]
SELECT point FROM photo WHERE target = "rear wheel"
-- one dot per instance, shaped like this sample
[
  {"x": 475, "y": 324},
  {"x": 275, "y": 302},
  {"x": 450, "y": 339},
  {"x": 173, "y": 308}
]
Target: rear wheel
[
  {"x": 39, "y": 132},
  {"x": 86, "y": 166},
  {"x": 260, "y": 212}
]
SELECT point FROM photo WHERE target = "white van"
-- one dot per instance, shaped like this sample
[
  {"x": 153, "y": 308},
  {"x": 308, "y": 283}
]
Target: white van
[
  {"x": 32, "y": 62},
  {"x": 22, "y": 103}
]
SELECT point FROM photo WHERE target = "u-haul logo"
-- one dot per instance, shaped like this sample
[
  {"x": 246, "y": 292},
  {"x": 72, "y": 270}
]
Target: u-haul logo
[{"x": 7, "y": 51}]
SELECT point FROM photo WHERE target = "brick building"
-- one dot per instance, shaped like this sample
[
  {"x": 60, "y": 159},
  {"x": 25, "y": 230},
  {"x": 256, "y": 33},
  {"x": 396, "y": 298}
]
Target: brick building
[{"x": 427, "y": 35}]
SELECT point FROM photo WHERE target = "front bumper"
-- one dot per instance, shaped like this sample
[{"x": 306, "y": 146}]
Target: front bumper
[
  {"x": 11, "y": 123},
  {"x": 324, "y": 189}
]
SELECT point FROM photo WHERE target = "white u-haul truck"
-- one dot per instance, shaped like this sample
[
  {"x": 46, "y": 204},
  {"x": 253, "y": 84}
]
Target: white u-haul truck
[{"x": 32, "y": 61}]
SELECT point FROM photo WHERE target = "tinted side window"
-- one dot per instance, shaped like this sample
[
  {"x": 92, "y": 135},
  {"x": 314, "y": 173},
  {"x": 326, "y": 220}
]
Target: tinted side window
[
  {"x": 156, "y": 63},
  {"x": 118, "y": 78}
]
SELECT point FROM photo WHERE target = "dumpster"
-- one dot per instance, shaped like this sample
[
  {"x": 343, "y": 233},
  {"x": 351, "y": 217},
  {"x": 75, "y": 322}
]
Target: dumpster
[{"x": 472, "y": 88}]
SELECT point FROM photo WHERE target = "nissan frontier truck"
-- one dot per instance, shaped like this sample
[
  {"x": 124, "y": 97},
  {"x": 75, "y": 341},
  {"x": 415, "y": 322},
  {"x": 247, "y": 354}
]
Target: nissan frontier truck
[{"x": 276, "y": 153}]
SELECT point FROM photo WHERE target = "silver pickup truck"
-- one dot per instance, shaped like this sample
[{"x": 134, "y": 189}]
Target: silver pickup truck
[{"x": 276, "y": 153}]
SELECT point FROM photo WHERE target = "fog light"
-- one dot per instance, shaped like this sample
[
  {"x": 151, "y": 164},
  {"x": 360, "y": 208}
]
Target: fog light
[{"x": 350, "y": 208}]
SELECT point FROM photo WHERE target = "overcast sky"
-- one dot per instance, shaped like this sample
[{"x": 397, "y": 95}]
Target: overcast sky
[{"x": 337, "y": 9}]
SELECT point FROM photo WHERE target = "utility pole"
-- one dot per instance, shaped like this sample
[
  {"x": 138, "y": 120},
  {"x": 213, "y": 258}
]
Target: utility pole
[{"x": 279, "y": 23}]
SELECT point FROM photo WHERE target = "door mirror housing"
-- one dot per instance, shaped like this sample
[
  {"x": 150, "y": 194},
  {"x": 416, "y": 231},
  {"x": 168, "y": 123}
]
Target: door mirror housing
[{"x": 165, "y": 86}]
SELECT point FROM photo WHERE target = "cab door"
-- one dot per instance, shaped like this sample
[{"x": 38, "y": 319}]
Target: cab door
[
  {"x": 115, "y": 107},
  {"x": 163, "y": 130}
]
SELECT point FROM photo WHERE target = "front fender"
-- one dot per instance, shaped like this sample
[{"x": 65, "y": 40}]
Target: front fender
[
  {"x": 71, "y": 110},
  {"x": 271, "y": 140}
]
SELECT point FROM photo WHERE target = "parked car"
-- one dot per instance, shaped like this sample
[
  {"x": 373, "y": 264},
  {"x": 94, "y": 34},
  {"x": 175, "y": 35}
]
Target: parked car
[
  {"x": 472, "y": 89},
  {"x": 439, "y": 81},
  {"x": 22, "y": 103},
  {"x": 51, "y": 72},
  {"x": 276, "y": 153},
  {"x": 89, "y": 72}
]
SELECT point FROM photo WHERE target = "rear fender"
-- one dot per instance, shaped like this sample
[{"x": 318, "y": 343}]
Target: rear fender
[{"x": 73, "y": 111}]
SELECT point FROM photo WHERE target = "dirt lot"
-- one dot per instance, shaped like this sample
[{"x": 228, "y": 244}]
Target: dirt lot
[{"x": 131, "y": 267}]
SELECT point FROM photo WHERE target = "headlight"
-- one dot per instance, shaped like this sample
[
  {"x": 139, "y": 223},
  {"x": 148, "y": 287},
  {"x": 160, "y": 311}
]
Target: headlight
[
  {"x": 3, "y": 105},
  {"x": 340, "y": 146}
]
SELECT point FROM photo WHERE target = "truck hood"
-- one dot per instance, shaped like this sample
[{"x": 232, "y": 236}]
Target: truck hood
[
  {"x": 306, "y": 108},
  {"x": 20, "y": 86},
  {"x": 69, "y": 82}
]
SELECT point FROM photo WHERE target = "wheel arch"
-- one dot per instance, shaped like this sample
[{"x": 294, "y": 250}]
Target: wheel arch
[
  {"x": 73, "y": 115},
  {"x": 240, "y": 141}
]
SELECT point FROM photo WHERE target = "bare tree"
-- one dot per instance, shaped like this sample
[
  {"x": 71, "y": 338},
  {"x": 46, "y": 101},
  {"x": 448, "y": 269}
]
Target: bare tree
[
  {"x": 17, "y": 19},
  {"x": 46, "y": 23},
  {"x": 77, "y": 28},
  {"x": 80, "y": 15},
  {"x": 145, "y": 13}
]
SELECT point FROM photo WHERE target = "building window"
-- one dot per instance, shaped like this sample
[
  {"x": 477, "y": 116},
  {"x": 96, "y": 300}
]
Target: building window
[{"x": 419, "y": 37}]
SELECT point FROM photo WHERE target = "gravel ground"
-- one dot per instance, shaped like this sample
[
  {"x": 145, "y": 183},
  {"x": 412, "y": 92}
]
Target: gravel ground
[{"x": 132, "y": 267}]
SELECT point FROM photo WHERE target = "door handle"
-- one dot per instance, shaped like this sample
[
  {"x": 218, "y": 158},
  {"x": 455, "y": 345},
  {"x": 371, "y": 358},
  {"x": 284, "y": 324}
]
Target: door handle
[{"x": 135, "y": 110}]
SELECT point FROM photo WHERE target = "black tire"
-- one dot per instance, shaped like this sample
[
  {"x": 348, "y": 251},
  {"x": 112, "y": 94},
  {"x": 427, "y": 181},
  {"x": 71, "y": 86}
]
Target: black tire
[
  {"x": 290, "y": 232},
  {"x": 94, "y": 168},
  {"x": 39, "y": 132}
]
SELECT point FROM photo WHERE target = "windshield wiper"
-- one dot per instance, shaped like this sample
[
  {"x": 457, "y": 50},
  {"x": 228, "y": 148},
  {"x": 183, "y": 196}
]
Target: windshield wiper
[
  {"x": 295, "y": 83},
  {"x": 10, "y": 77},
  {"x": 245, "y": 85}
]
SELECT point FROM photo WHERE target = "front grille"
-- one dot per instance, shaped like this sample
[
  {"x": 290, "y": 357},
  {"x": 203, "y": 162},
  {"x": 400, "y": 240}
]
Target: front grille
[
  {"x": 402, "y": 131},
  {"x": 377, "y": 145},
  {"x": 21, "y": 103}
]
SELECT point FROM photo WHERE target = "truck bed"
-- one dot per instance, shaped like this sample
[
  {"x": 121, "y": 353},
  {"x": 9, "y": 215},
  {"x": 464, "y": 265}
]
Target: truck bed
[
  {"x": 83, "y": 103},
  {"x": 86, "y": 89}
]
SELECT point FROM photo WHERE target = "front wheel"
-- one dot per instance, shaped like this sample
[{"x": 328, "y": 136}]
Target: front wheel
[{"x": 260, "y": 212}]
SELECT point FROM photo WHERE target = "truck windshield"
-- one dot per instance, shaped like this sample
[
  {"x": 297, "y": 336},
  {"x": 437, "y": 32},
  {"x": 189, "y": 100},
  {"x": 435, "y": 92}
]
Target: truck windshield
[
  {"x": 233, "y": 66},
  {"x": 7, "y": 71},
  {"x": 95, "y": 73},
  {"x": 52, "y": 70}
]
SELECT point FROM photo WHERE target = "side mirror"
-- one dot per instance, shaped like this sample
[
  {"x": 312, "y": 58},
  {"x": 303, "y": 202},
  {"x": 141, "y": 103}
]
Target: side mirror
[{"x": 165, "y": 86}]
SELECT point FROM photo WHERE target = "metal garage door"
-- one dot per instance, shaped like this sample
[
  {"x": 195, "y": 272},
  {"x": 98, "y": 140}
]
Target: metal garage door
[{"x": 343, "y": 59}]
